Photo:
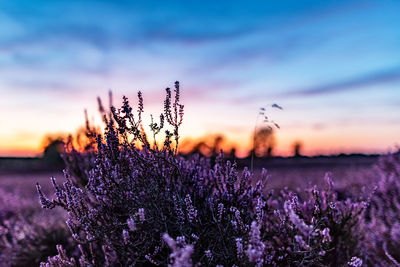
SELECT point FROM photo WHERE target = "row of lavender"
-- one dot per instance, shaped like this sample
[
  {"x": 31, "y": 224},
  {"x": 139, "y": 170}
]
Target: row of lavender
[{"x": 130, "y": 205}]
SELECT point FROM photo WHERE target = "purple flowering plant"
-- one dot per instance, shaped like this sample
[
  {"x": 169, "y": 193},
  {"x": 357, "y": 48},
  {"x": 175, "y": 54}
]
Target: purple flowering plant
[{"x": 130, "y": 202}]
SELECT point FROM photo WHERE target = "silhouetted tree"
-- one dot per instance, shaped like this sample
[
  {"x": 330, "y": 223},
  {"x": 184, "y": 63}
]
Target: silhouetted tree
[
  {"x": 297, "y": 146},
  {"x": 53, "y": 151},
  {"x": 232, "y": 153},
  {"x": 264, "y": 142}
]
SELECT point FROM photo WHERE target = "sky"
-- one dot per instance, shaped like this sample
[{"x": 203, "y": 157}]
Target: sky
[{"x": 334, "y": 67}]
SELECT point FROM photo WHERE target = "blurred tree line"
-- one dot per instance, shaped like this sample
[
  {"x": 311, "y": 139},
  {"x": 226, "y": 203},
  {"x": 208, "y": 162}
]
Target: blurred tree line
[{"x": 263, "y": 140}]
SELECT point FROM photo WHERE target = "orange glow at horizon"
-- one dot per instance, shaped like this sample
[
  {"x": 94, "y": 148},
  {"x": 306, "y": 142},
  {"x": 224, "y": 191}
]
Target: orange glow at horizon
[
  {"x": 26, "y": 128},
  {"x": 313, "y": 143}
]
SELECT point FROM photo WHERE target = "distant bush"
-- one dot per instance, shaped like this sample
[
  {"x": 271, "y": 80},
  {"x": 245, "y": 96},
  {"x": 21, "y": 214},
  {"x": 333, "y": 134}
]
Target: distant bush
[{"x": 130, "y": 202}]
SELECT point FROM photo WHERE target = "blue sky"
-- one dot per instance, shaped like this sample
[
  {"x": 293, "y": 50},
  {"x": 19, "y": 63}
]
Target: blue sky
[{"x": 333, "y": 65}]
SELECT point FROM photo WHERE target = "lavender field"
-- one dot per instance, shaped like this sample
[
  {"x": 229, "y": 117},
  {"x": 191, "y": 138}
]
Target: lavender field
[{"x": 125, "y": 200}]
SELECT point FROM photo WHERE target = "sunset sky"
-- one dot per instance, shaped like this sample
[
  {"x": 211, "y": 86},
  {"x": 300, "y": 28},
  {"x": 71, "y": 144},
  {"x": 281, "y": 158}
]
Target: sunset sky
[{"x": 334, "y": 66}]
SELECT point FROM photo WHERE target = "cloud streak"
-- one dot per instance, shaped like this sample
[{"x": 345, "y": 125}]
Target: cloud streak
[
  {"x": 381, "y": 77},
  {"x": 371, "y": 79}
]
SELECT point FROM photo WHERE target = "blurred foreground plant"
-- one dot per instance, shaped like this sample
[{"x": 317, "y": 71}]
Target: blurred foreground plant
[
  {"x": 383, "y": 218},
  {"x": 26, "y": 237}
]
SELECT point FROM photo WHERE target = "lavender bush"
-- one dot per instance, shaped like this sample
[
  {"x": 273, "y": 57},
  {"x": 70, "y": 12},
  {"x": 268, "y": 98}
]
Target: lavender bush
[{"x": 130, "y": 202}]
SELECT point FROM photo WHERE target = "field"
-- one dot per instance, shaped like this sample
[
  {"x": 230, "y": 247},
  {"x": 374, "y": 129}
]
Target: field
[
  {"x": 294, "y": 173},
  {"x": 352, "y": 174}
]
